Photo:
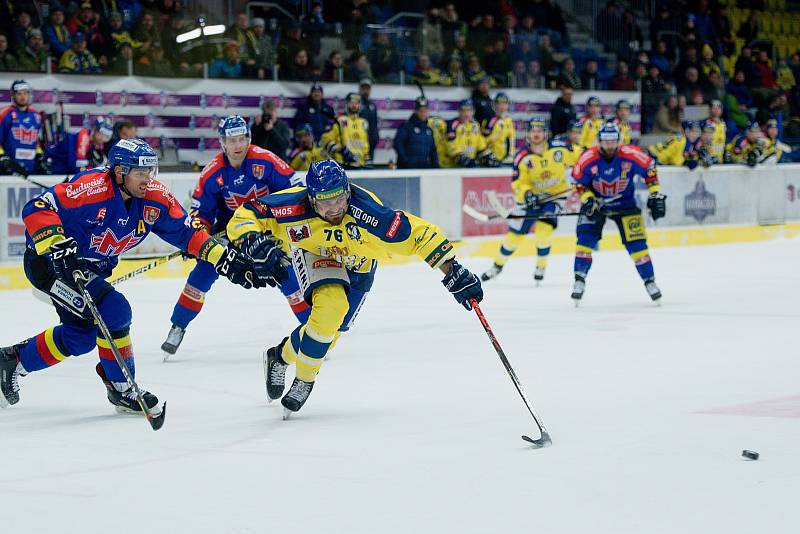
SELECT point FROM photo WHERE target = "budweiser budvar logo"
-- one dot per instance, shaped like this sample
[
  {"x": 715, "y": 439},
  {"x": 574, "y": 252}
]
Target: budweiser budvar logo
[{"x": 98, "y": 185}]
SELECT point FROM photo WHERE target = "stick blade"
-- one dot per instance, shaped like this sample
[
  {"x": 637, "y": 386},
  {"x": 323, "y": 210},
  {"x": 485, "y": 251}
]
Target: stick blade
[
  {"x": 540, "y": 443},
  {"x": 157, "y": 421},
  {"x": 475, "y": 214}
]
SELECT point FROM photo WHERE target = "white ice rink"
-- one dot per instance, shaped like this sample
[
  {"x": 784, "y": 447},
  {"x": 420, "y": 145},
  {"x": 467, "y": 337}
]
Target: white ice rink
[{"x": 413, "y": 426}]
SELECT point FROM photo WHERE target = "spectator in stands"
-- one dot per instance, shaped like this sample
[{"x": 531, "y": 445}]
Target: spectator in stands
[
  {"x": 425, "y": 73},
  {"x": 482, "y": 34},
  {"x": 563, "y": 113},
  {"x": 658, "y": 57},
  {"x": 263, "y": 53},
  {"x": 498, "y": 62},
  {"x": 784, "y": 76},
  {"x": 430, "y": 41},
  {"x": 130, "y": 11},
  {"x": 522, "y": 51},
  {"x": 519, "y": 76},
  {"x": 773, "y": 110},
  {"x": 716, "y": 87},
  {"x": 722, "y": 25},
  {"x": 118, "y": 36},
  {"x": 764, "y": 68},
  {"x": 668, "y": 117},
  {"x": 631, "y": 37},
  {"x": 667, "y": 27},
  {"x": 314, "y": 27},
  {"x": 384, "y": 59},
  {"x": 451, "y": 26},
  {"x": 740, "y": 89},
  {"x": 369, "y": 112},
  {"x": 354, "y": 28},
  {"x": 590, "y": 78},
  {"x": 77, "y": 59},
  {"x": 653, "y": 89},
  {"x": 749, "y": 29},
  {"x": 269, "y": 131},
  {"x": 536, "y": 79},
  {"x": 358, "y": 69},
  {"x": 569, "y": 76},
  {"x": 33, "y": 57},
  {"x": 747, "y": 65},
  {"x": 241, "y": 33},
  {"x": 56, "y": 33},
  {"x": 688, "y": 59},
  {"x": 794, "y": 64},
  {"x": 314, "y": 112},
  {"x": 155, "y": 64},
  {"x": 704, "y": 26},
  {"x": 414, "y": 141},
  {"x": 608, "y": 23},
  {"x": 474, "y": 73},
  {"x": 123, "y": 129},
  {"x": 453, "y": 75},
  {"x": 621, "y": 81},
  {"x": 709, "y": 64},
  {"x": 461, "y": 49},
  {"x": 290, "y": 44},
  {"x": 7, "y": 60},
  {"x": 481, "y": 101},
  {"x": 229, "y": 65},
  {"x": 85, "y": 20},
  {"x": 301, "y": 69},
  {"x": 333, "y": 71},
  {"x": 169, "y": 9},
  {"x": 691, "y": 82},
  {"x": 119, "y": 65},
  {"x": 21, "y": 30},
  {"x": 146, "y": 31}
]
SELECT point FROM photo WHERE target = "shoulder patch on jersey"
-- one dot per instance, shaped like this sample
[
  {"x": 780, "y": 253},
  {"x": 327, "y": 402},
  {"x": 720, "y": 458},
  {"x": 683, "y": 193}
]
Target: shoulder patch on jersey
[
  {"x": 291, "y": 210},
  {"x": 159, "y": 192},
  {"x": 150, "y": 214}
]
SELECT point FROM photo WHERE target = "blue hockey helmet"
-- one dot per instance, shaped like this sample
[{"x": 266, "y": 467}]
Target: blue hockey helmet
[
  {"x": 465, "y": 103},
  {"x": 103, "y": 127},
  {"x": 537, "y": 122},
  {"x": 690, "y": 125},
  {"x": 623, "y": 104},
  {"x": 328, "y": 189},
  {"x": 593, "y": 101},
  {"x": 303, "y": 128},
  {"x": 131, "y": 154},
  {"x": 502, "y": 97},
  {"x": 609, "y": 132},
  {"x": 232, "y": 126}
]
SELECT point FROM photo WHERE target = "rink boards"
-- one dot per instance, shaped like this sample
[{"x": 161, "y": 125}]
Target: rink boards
[{"x": 723, "y": 204}]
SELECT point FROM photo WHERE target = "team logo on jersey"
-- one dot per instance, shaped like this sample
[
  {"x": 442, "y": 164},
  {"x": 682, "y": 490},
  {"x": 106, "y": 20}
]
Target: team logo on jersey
[
  {"x": 258, "y": 170},
  {"x": 234, "y": 200},
  {"x": 108, "y": 244},
  {"x": 298, "y": 233},
  {"x": 150, "y": 214},
  {"x": 700, "y": 203},
  {"x": 25, "y": 135},
  {"x": 610, "y": 188},
  {"x": 352, "y": 231}
]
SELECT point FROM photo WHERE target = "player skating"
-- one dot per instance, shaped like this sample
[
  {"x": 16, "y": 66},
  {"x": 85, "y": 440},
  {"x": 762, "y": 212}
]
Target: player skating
[
  {"x": 538, "y": 183},
  {"x": 239, "y": 173},
  {"x": 84, "y": 225},
  {"x": 335, "y": 232},
  {"x": 605, "y": 177}
]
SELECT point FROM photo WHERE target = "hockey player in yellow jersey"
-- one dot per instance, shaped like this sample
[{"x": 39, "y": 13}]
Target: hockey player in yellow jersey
[
  {"x": 746, "y": 147},
  {"x": 717, "y": 146},
  {"x": 465, "y": 143},
  {"x": 307, "y": 151},
  {"x": 335, "y": 233},
  {"x": 591, "y": 122},
  {"x": 439, "y": 127},
  {"x": 570, "y": 141},
  {"x": 680, "y": 149},
  {"x": 499, "y": 131},
  {"x": 773, "y": 146},
  {"x": 539, "y": 182},
  {"x": 621, "y": 115},
  {"x": 347, "y": 139}
]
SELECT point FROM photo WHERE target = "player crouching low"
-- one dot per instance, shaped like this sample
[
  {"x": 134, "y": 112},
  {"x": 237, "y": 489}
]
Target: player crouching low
[
  {"x": 335, "y": 232},
  {"x": 605, "y": 177},
  {"x": 83, "y": 226},
  {"x": 538, "y": 183}
]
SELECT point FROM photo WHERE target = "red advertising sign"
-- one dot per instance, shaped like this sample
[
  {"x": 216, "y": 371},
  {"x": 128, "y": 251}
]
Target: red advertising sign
[{"x": 474, "y": 190}]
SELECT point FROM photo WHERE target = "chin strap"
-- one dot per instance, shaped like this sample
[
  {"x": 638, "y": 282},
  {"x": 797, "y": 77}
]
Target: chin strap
[{"x": 122, "y": 185}]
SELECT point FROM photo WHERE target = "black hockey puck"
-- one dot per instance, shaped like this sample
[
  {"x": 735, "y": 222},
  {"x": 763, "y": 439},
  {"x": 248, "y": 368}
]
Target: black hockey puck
[{"x": 750, "y": 455}]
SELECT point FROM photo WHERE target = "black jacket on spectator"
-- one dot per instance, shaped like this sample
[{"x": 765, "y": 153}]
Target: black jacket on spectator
[
  {"x": 484, "y": 109},
  {"x": 414, "y": 145},
  {"x": 317, "y": 116},
  {"x": 561, "y": 115},
  {"x": 276, "y": 140},
  {"x": 370, "y": 113}
]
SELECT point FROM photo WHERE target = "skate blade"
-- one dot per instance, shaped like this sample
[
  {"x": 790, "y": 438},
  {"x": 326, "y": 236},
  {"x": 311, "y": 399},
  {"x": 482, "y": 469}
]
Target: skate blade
[
  {"x": 154, "y": 412},
  {"x": 287, "y": 413},
  {"x": 166, "y": 356},
  {"x": 577, "y": 302},
  {"x": 4, "y": 402}
]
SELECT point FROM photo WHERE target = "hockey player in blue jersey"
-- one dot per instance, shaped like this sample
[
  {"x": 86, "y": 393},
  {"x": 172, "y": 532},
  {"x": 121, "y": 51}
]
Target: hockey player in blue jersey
[
  {"x": 19, "y": 130},
  {"x": 84, "y": 225},
  {"x": 80, "y": 150},
  {"x": 240, "y": 173},
  {"x": 605, "y": 177}
]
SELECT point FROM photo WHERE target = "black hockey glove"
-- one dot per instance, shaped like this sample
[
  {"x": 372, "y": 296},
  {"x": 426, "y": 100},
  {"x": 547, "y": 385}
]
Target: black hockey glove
[
  {"x": 238, "y": 268},
  {"x": 463, "y": 285},
  {"x": 706, "y": 159},
  {"x": 348, "y": 155},
  {"x": 488, "y": 160},
  {"x": 752, "y": 158},
  {"x": 43, "y": 164},
  {"x": 466, "y": 161},
  {"x": 66, "y": 259},
  {"x": 531, "y": 200},
  {"x": 591, "y": 208},
  {"x": 5, "y": 163},
  {"x": 692, "y": 163},
  {"x": 657, "y": 204},
  {"x": 270, "y": 262}
]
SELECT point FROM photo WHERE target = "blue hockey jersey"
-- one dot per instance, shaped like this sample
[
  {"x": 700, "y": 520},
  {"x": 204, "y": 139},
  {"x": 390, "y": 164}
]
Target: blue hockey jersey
[
  {"x": 19, "y": 135},
  {"x": 613, "y": 181}
]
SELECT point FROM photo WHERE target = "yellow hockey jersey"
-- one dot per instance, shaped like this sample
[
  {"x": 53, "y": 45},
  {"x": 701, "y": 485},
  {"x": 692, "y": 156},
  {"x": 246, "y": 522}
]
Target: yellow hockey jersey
[
  {"x": 589, "y": 131},
  {"x": 351, "y": 133},
  {"x": 463, "y": 139},
  {"x": 625, "y": 130},
  {"x": 717, "y": 148},
  {"x": 543, "y": 174},
  {"x": 676, "y": 150},
  {"x": 300, "y": 159},
  {"x": 369, "y": 230},
  {"x": 439, "y": 127},
  {"x": 500, "y": 137}
]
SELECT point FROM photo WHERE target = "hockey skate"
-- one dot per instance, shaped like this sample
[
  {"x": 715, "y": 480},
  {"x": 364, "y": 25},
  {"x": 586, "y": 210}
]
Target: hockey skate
[
  {"x": 491, "y": 272},
  {"x": 9, "y": 375},
  {"x": 123, "y": 397},
  {"x": 652, "y": 290},
  {"x": 578, "y": 289},
  {"x": 538, "y": 276},
  {"x": 297, "y": 396},
  {"x": 275, "y": 371},
  {"x": 174, "y": 338}
]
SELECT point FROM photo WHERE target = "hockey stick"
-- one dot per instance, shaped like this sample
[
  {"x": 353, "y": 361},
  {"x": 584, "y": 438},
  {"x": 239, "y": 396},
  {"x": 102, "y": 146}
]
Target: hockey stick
[
  {"x": 504, "y": 212},
  {"x": 156, "y": 420},
  {"x": 22, "y": 172},
  {"x": 544, "y": 440},
  {"x": 484, "y": 217}
]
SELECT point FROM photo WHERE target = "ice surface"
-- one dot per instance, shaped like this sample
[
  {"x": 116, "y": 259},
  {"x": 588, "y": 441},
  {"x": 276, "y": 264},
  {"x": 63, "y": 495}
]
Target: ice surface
[{"x": 413, "y": 426}]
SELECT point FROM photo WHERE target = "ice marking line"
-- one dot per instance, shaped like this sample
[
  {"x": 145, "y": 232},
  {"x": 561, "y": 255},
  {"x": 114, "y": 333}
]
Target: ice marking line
[{"x": 786, "y": 407}]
